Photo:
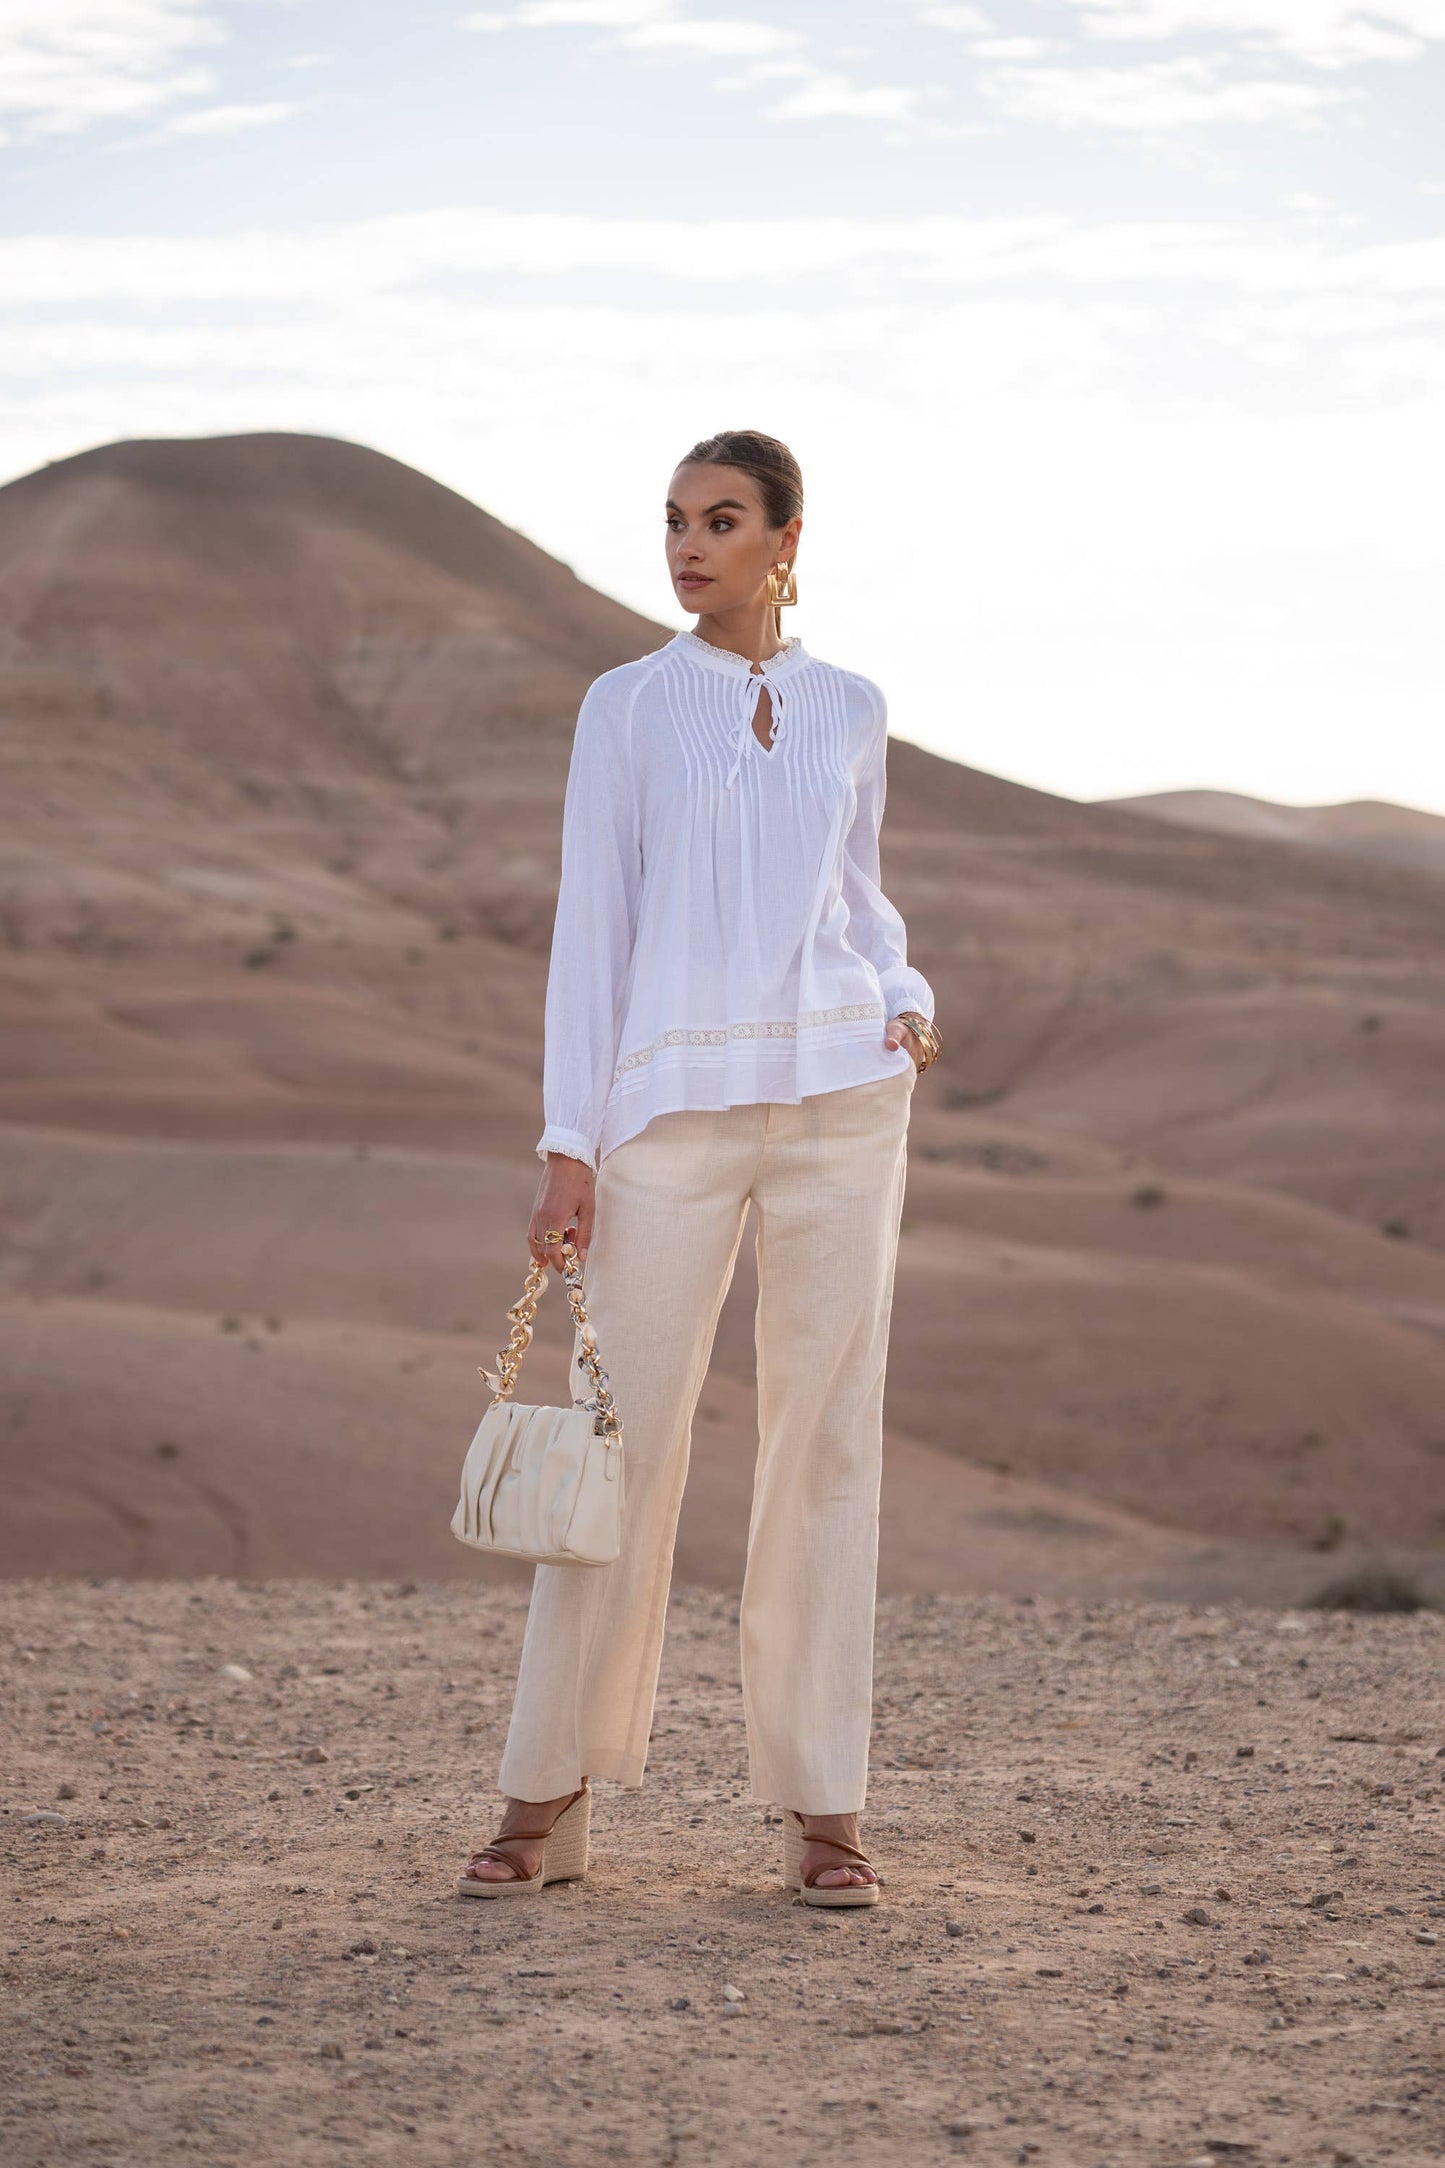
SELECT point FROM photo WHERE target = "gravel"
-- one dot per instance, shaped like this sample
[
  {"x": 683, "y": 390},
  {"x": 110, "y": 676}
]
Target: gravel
[{"x": 208, "y": 1889}]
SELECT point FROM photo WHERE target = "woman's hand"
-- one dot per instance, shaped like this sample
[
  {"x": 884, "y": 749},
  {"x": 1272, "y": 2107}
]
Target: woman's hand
[
  {"x": 896, "y": 1033},
  {"x": 566, "y": 1197}
]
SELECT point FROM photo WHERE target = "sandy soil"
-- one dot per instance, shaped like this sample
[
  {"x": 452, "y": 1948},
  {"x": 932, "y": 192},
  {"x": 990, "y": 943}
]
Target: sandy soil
[{"x": 1164, "y": 1887}]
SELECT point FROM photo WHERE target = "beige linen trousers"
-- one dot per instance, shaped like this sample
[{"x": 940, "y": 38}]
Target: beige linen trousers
[{"x": 827, "y": 1179}]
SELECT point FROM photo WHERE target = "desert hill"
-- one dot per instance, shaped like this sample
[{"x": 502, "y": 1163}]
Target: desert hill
[
  {"x": 284, "y": 729},
  {"x": 285, "y": 596},
  {"x": 1391, "y": 835}
]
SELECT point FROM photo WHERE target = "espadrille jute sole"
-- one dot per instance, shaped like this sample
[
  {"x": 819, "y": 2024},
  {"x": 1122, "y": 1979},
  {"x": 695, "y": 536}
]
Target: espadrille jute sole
[
  {"x": 845, "y": 1895},
  {"x": 565, "y": 1854}
]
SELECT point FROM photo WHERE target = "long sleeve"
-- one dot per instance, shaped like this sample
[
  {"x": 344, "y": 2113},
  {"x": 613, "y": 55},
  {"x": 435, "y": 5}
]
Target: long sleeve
[
  {"x": 876, "y": 929},
  {"x": 596, "y": 923}
]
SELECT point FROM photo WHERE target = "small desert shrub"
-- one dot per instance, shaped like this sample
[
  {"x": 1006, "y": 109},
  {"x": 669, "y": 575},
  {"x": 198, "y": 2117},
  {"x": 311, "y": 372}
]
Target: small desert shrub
[
  {"x": 1371, "y": 1588},
  {"x": 1147, "y": 1196},
  {"x": 1398, "y": 1228}
]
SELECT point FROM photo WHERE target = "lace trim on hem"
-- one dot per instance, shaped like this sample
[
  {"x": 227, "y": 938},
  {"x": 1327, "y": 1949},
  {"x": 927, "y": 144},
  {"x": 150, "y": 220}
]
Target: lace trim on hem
[{"x": 849, "y": 1012}]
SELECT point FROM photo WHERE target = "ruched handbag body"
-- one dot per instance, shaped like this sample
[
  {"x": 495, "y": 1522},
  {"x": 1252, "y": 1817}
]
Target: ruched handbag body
[{"x": 545, "y": 1485}]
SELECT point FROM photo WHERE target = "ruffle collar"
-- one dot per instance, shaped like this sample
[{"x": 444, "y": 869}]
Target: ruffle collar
[{"x": 789, "y": 656}]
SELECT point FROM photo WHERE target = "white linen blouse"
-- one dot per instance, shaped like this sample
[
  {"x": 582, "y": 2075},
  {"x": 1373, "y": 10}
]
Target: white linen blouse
[{"x": 721, "y": 936}]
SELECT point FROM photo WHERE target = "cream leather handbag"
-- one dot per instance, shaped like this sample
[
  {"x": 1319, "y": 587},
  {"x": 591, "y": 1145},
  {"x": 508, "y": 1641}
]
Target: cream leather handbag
[{"x": 545, "y": 1484}]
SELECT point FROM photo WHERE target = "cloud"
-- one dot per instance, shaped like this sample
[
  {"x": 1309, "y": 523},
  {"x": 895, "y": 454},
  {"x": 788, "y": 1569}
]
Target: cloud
[
  {"x": 370, "y": 262},
  {"x": 642, "y": 25},
  {"x": 1222, "y": 87},
  {"x": 1154, "y": 98},
  {"x": 1327, "y": 33},
  {"x": 230, "y": 119},
  {"x": 816, "y": 93},
  {"x": 728, "y": 36},
  {"x": 555, "y": 14},
  {"x": 65, "y": 64},
  {"x": 1014, "y": 49},
  {"x": 821, "y": 95},
  {"x": 955, "y": 18}
]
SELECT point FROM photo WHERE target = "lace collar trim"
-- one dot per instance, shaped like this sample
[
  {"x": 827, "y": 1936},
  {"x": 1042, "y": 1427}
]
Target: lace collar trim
[{"x": 789, "y": 655}]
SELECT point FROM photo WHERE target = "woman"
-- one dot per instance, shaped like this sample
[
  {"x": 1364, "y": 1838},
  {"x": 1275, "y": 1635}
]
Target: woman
[{"x": 730, "y": 1016}]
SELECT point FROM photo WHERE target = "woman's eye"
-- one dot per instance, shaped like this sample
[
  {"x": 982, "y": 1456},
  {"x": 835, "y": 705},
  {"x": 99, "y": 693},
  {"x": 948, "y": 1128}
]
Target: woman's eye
[{"x": 724, "y": 524}]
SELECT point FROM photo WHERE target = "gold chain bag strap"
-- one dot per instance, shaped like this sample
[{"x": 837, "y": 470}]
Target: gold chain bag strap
[{"x": 545, "y": 1484}]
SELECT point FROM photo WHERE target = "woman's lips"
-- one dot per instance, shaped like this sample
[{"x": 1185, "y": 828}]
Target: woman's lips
[{"x": 694, "y": 579}]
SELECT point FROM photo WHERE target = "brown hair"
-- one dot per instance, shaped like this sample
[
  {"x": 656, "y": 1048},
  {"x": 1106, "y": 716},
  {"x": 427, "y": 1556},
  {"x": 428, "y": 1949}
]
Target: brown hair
[{"x": 769, "y": 462}]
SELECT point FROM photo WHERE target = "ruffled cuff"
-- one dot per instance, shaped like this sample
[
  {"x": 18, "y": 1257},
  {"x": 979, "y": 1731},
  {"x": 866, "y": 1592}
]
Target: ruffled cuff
[
  {"x": 570, "y": 1142},
  {"x": 908, "y": 989}
]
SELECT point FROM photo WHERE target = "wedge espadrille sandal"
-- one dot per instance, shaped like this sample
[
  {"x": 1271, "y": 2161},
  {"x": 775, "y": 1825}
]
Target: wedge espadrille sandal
[
  {"x": 795, "y": 1836},
  {"x": 564, "y": 1854}
]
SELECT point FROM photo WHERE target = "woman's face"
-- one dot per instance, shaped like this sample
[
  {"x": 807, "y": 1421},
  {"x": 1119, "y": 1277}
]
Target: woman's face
[{"x": 720, "y": 548}]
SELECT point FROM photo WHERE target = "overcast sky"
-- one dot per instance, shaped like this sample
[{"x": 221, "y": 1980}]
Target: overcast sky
[{"x": 1110, "y": 333}]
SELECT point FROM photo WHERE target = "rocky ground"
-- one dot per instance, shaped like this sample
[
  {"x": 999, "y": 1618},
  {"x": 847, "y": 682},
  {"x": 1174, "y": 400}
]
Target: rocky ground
[{"x": 1164, "y": 1887}]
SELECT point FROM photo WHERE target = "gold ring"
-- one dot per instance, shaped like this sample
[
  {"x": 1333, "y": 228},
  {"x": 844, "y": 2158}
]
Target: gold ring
[{"x": 551, "y": 1234}]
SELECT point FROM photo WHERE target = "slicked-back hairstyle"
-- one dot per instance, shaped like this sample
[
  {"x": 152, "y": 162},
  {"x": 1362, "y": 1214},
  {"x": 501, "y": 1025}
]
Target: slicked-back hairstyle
[{"x": 769, "y": 462}]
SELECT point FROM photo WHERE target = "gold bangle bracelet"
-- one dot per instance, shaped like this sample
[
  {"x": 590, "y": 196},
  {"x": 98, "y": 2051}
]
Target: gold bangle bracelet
[
  {"x": 922, "y": 1025},
  {"x": 927, "y": 1034}
]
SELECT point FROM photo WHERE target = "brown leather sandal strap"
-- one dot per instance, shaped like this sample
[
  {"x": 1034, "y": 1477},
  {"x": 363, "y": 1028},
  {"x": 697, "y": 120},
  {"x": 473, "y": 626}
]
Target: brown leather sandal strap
[
  {"x": 523, "y": 1836},
  {"x": 503, "y": 1859},
  {"x": 567, "y": 1809},
  {"x": 835, "y": 1844}
]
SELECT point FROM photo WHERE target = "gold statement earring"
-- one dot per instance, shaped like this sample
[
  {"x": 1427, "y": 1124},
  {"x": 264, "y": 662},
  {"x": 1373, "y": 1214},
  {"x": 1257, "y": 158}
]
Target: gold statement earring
[{"x": 782, "y": 593}]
